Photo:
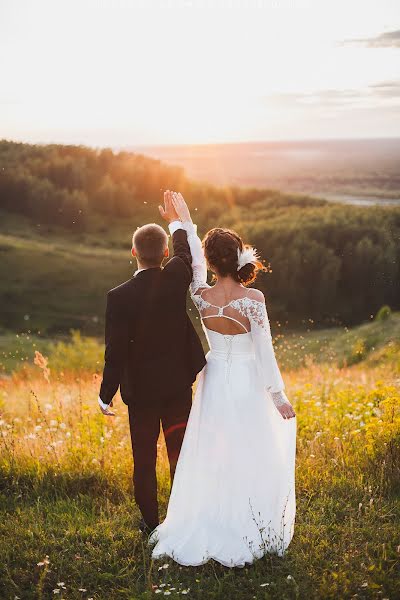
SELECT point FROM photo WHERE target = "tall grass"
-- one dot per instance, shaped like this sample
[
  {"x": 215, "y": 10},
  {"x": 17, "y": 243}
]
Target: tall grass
[{"x": 69, "y": 522}]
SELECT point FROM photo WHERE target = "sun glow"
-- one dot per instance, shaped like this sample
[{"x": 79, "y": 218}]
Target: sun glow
[{"x": 180, "y": 72}]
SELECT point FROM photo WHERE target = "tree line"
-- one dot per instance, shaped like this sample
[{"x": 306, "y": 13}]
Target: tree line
[{"x": 330, "y": 263}]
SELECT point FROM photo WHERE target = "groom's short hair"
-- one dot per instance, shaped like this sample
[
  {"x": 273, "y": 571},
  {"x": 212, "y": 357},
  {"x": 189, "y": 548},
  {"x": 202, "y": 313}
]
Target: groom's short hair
[{"x": 150, "y": 242}]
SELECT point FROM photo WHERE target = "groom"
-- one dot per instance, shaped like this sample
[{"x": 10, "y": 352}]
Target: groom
[{"x": 153, "y": 352}]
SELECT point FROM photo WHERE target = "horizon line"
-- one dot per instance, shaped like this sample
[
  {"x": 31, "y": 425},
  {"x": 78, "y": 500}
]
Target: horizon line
[
  {"x": 266, "y": 141},
  {"x": 132, "y": 146}
]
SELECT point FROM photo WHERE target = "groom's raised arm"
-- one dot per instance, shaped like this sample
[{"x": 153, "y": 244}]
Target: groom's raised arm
[{"x": 181, "y": 261}]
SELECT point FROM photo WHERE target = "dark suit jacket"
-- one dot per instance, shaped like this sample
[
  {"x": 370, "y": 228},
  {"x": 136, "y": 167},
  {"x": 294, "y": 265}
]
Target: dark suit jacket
[{"x": 152, "y": 347}]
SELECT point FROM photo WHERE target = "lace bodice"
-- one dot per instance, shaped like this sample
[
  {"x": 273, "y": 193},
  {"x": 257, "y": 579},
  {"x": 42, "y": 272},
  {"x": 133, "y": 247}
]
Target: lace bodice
[
  {"x": 251, "y": 314},
  {"x": 253, "y": 310}
]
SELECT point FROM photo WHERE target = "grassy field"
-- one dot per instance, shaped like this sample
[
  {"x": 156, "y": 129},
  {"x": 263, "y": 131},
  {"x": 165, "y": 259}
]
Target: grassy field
[
  {"x": 68, "y": 526},
  {"x": 332, "y": 263},
  {"x": 370, "y": 342}
]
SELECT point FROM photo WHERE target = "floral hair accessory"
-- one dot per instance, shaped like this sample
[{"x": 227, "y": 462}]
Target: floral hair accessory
[{"x": 246, "y": 256}]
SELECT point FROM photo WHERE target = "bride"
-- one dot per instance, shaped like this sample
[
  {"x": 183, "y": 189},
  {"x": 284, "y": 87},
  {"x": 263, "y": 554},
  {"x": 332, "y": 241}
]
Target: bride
[{"x": 233, "y": 495}]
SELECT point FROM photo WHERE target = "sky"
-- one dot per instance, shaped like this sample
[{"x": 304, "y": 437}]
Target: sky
[{"x": 146, "y": 72}]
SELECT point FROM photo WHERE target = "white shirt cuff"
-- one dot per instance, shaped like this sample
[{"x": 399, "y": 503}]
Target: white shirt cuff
[
  {"x": 188, "y": 226},
  {"x": 102, "y": 404},
  {"x": 174, "y": 226}
]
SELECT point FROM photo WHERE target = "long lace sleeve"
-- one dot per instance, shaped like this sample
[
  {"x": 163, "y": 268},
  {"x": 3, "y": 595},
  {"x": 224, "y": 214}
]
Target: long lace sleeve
[
  {"x": 265, "y": 354},
  {"x": 199, "y": 265}
]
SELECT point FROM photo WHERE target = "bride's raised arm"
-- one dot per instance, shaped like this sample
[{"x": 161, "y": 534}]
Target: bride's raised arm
[{"x": 199, "y": 265}]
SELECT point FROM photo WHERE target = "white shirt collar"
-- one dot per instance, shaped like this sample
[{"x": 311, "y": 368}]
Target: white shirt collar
[{"x": 144, "y": 269}]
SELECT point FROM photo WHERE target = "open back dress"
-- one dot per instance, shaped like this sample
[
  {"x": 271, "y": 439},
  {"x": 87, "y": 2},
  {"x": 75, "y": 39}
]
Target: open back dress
[{"x": 233, "y": 495}]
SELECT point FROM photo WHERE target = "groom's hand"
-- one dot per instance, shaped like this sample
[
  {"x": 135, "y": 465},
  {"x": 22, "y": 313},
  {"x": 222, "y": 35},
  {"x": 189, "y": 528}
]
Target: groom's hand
[
  {"x": 106, "y": 411},
  {"x": 168, "y": 211}
]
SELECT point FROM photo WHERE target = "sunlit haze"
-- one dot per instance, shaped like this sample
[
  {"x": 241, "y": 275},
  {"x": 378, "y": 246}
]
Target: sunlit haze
[{"x": 122, "y": 73}]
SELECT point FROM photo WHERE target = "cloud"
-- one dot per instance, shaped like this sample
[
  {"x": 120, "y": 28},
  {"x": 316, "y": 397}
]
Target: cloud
[
  {"x": 388, "y": 39},
  {"x": 387, "y": 89},
  {"x": 371, "y": 95},
  {"x": 327, "y": 96}
]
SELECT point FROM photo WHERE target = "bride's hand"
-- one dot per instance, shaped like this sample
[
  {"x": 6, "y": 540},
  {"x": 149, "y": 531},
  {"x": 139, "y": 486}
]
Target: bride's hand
[
  {"x": 283, "y": 405},
  {"x": 286, "y": 410},
  {"x": 181, "y": 207}
]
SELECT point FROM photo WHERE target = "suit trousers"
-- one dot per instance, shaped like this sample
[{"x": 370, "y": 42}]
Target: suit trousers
[{"x": 145, "y": 416}]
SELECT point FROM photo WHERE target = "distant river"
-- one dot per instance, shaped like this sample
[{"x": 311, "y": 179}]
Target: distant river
[
  {"x": 351, "y": 171},
  {"x": 357, "y": 200}
]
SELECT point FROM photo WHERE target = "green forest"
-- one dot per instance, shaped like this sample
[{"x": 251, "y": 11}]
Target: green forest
[{"x": 68, "y": 214}]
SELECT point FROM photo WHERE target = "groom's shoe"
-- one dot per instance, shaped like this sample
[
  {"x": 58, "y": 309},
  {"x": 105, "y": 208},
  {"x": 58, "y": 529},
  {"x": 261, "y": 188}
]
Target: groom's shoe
[{"x": 145, "y": 528}]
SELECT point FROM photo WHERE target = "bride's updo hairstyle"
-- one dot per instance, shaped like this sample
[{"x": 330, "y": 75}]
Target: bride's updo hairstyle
[{"x": 221, "y": 251}]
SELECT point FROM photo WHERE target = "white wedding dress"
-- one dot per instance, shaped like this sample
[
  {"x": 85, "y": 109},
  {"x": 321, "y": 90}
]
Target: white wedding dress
[{"x": 233, "y": 496}]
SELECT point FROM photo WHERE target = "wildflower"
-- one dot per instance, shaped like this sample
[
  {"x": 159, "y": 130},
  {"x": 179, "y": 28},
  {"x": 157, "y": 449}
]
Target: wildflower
[
  {"x": 61, "y": 584},
  {"x": 158, "y": 591},
  {"x": 41, "y": 361},
  {"x": 82, "y": 590},
  {"x": 186, "y": 591},
  {"x": 56, "y": 591},
  {"x": 167, "y": 593},
  {"x": 263, "y": 584}
]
